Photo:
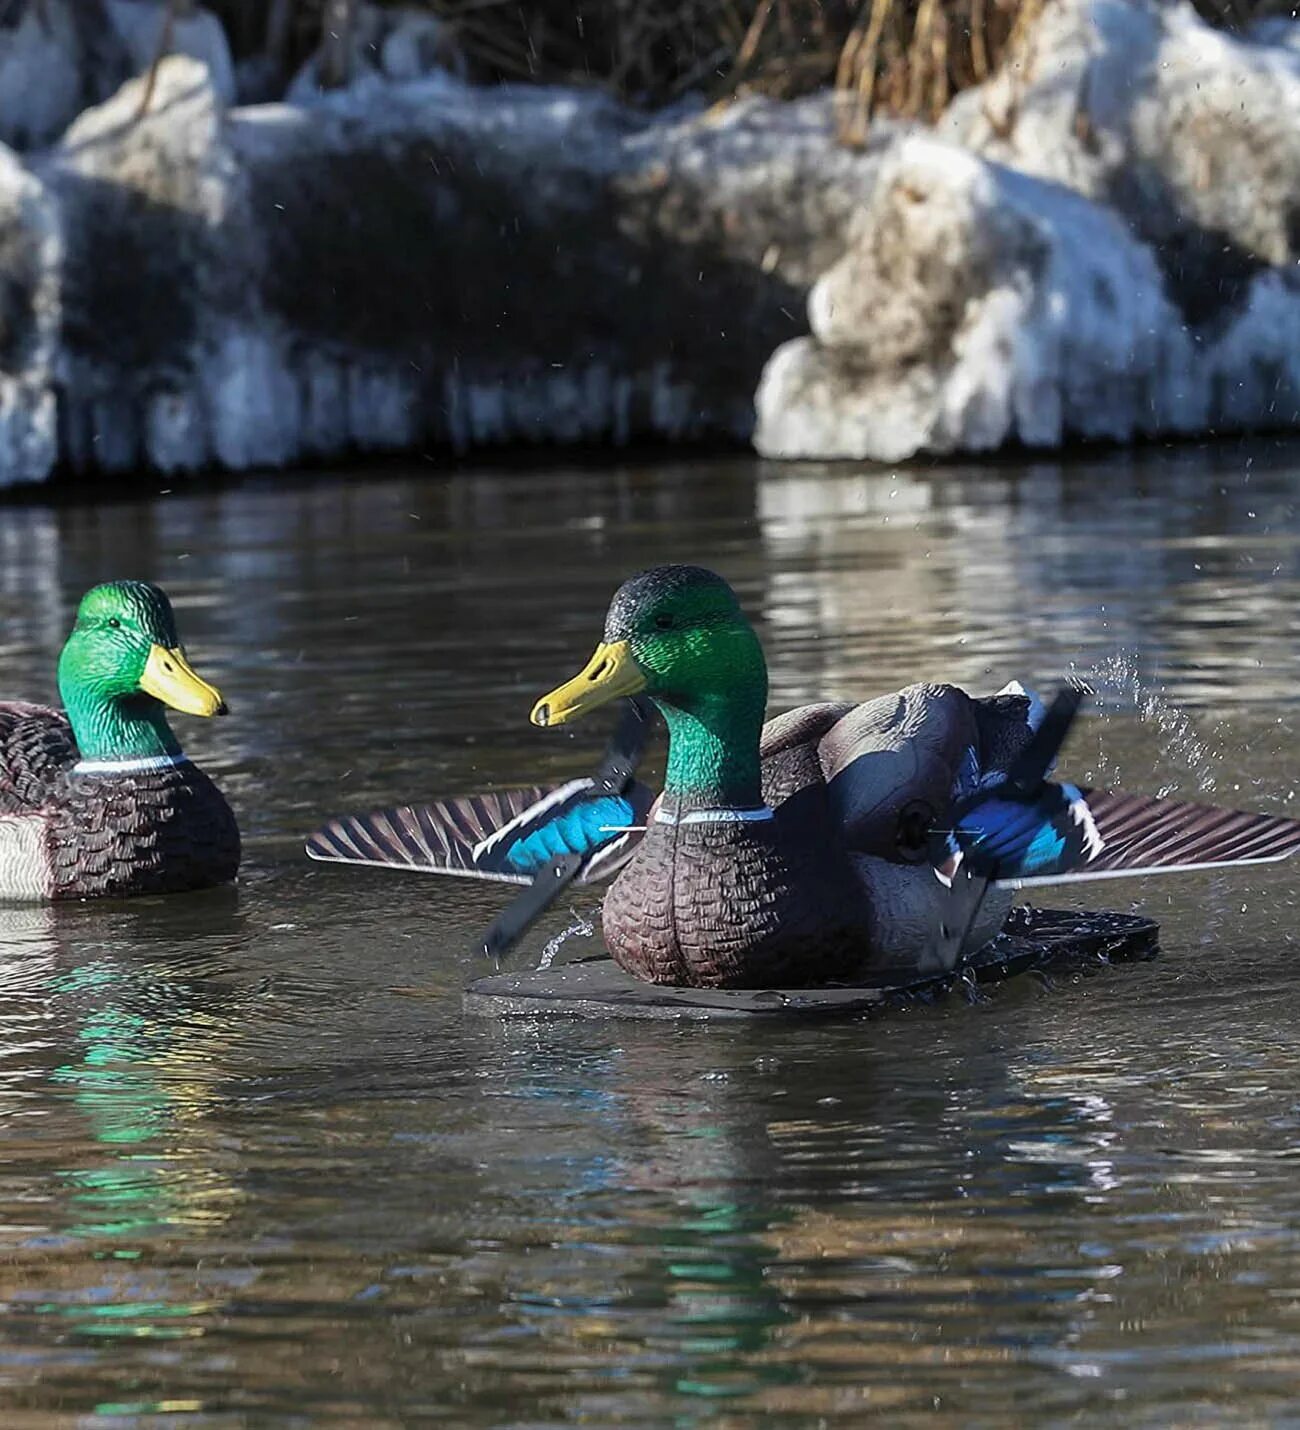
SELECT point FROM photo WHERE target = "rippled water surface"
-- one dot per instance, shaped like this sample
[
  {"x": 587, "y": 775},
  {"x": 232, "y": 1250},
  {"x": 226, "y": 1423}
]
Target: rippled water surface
[{"x": 259, "y": 1169}]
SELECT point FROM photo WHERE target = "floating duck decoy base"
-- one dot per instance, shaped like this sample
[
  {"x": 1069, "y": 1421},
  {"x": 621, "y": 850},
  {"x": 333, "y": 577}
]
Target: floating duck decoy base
[{"x": 1047, "y": 940}]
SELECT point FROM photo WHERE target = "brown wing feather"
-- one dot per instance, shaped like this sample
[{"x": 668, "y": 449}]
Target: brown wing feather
[
  {"x": 891, "y": 763},
  {"x": 1146, "y": 832},
  {"x": 36, "y": 747},
  {"x": 788, "y": 749},
  {"x": 439, "y": 836}
]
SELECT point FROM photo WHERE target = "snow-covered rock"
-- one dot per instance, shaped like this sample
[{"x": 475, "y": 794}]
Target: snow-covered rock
[
  {"x": 29, "y": 319},
  {"x": 1126, "y": 267},
  {"x": 974, "y": 305},
  {"x": 1190, "y": 132},
  {"x": 151, "y": 278},
  {"x": 1101, "y": 242},
  {"x": 59, "y": 56}
]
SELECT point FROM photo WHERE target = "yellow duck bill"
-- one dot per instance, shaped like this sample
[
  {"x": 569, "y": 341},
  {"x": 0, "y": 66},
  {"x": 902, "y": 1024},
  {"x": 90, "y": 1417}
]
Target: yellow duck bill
[
  {"x": 169, "y": 677},
  {"x": 608, "y": 675}
]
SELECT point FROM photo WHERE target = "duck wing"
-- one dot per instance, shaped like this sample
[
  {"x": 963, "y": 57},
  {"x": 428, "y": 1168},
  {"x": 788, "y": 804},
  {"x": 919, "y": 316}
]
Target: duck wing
[
  {"x": 591, "y": 825},
  {"x": 508, "y": 835},
  {"x": 1061, "y": 833},
  {"x": 1007, "y": 724},
  {"x": 802, "y": 727},
  {"x": 788, "y": 749},
  {"x": 1027, "y": 830},
  {"x": 545, "y": 837},
  {"x": 36, "y": 748},
  {"x": 894, "y": 764}
]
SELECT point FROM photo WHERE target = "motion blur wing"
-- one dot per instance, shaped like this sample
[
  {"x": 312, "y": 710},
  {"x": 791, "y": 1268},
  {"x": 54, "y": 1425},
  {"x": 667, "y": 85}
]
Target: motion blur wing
[
  {"x": 1029, "y": 831},
  {"x": 968, "y": 879}
]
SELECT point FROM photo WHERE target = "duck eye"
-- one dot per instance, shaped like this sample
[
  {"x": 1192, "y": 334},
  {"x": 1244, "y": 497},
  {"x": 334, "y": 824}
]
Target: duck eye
[
  {"x": 115, "y": 623},
  {"x": 664, "y": 623}
]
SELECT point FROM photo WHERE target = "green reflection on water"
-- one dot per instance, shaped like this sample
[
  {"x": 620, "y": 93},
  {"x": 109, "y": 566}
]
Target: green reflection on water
[
  {"x": 122, "y": 1079},
  {"x": 129, "y": 1081},
  {"x": 727, "y": 1328},
  {"x": 99, "y": 1319},
  {"x": 117, "y": 1089}
]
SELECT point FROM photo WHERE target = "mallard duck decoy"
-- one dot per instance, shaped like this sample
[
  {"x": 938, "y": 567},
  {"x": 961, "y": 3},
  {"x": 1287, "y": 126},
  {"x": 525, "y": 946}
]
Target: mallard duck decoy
[
  {"x": 838, "y": 841},
  {"x": 100, "y": 800},
  {"x": 788, "y": 853},
  {"x": 802, "y": 850}
]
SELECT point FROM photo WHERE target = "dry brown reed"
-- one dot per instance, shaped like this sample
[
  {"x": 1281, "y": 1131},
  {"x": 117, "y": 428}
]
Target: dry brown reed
[{"x": 894, "y": 57}]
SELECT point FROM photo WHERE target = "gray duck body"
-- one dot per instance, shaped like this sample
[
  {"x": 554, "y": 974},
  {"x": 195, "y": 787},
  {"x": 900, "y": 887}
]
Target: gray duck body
[
  {"x": 836, "y": 885},
  {"x": 71, "y": 835}
]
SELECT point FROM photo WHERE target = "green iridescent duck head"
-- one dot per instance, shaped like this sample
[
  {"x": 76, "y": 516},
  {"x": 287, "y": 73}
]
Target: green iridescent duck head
[
  {"x": 678, "y": 634},
  {"x": 122, "y": 664}
]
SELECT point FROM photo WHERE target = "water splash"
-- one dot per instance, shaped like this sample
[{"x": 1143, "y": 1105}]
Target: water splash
[
  {"x": 1119, "y": 687},
  {"x": 580, "y": 926}
]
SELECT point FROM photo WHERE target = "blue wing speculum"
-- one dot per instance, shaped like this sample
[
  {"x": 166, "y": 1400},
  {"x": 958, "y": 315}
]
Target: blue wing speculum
[
  {"x": 574, "y": 819},
  {"x": 1002, "y": 836},
  {"x": 1134, "y": 834},
  {"x": 1017, "y": 821}
]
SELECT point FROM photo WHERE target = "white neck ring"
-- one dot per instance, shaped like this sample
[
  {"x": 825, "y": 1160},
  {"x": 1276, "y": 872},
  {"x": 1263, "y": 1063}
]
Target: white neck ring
[
  {"x": 129, "y": 767},
  {"x": 716, "y": 816}
]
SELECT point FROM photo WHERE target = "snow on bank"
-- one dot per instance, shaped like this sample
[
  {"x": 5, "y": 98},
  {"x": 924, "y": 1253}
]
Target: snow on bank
[
  {"x": 1100, "y": 242},
  {"x": 977, "y": 306},
  {"x": 427, "y": 264},
  {"x": 29, "y": 318},
  {"x": 58, "y": 56},
  {"x": 1135, "y": 273}
]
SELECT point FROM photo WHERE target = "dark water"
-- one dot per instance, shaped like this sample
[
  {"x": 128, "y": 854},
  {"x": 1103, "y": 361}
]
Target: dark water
[{"x": 248, "y": 1180}]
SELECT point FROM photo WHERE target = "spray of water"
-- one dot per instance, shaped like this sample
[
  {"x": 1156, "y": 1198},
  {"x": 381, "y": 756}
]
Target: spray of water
[
  {"x": 580, "y": 925},
  {"x": 1120, "y": 688}
]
